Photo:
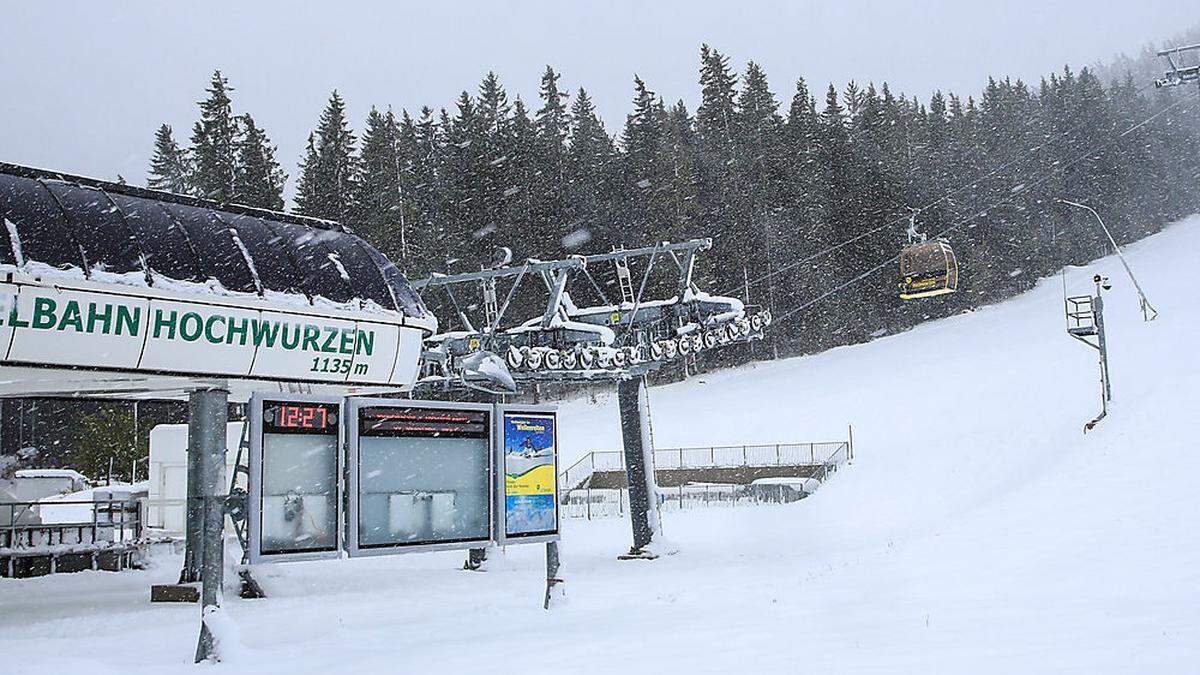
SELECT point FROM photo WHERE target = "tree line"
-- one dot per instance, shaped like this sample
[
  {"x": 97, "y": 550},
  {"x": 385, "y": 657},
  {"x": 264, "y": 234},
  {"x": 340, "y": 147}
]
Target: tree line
[
  {"x": 774, "y": 183},
  {"x": 776, "y": 179}
]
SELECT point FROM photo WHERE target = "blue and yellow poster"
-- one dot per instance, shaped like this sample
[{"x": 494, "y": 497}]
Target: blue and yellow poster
[{"x": 529, "y": 475}]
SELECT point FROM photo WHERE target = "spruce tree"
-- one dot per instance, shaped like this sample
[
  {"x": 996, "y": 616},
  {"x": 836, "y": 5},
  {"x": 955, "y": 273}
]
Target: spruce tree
[
  {"x": 682, "y": 159},
  {"x": 214, "y": 144},
  {"x": 429, "y": 239},
  {"x": 550, "y": 144},
  {"x": 644, "y": 176},
  {"x": 720, "y": 187},
  {"x": 758, "y": 129},
  {"x": 169, "y": 167},
  {"x": 491, "y": 146},
  {"x": 464, "y": 185},
  {"x": 306, "y": 183},
  {"x": 259, "y": 179},
  {"x": 591, "y": 178},
  {"x": 380, "y": 217},
  {"x": 328, "y": 171},
  {"x": 524, "y": 224}
]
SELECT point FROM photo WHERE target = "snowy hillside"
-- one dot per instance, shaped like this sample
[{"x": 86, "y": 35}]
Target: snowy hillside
[{"x": 978, "y": 529}]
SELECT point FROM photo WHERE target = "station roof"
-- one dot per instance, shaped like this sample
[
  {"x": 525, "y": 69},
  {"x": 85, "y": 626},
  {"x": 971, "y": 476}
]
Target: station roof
[{"x": 72, "y": 223}]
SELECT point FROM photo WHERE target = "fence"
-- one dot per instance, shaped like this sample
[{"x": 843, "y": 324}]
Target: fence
[
  {"x": 72, "y": 524},
  {"x": 823, "y": 459},
  {"x": 778, "y": 454}
]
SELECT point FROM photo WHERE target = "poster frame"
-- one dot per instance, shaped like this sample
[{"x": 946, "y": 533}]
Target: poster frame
[{"x": 502, "y": 538}]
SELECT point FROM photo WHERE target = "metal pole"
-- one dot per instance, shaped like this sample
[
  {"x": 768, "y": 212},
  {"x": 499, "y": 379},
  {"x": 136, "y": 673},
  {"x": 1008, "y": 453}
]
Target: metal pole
[
  {"x": 1148, "y": 311},
  {"x": 193, "y": 553},
  {"x": 1103, "y": 344},
  {"x": 552, "y": 564},
  {"x": 1102, "y": 349},
  {"x": 209, "y": 413},
  {"x": 639, "y": 463}
]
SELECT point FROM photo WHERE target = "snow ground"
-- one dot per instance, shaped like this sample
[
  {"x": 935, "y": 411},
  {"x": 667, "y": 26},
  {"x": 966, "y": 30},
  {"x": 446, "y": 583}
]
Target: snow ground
[{"x": 977, "y": 531}]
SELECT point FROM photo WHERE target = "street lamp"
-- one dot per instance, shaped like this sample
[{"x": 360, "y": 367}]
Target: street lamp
[{"x": 1148, "y": 311}]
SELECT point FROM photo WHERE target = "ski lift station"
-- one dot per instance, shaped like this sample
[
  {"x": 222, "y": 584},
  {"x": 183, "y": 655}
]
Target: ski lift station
[
  {"x": 119, "y": 292},
  {"x": 112, "y": 291}
]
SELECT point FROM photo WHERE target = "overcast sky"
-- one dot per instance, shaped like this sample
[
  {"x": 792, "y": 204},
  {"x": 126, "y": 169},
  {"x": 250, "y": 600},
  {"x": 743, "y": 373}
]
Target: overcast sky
[{"x": 85, "y": 84}]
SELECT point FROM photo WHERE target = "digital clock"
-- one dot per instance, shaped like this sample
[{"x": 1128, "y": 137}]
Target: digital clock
[{"x": 300, "y": 417}]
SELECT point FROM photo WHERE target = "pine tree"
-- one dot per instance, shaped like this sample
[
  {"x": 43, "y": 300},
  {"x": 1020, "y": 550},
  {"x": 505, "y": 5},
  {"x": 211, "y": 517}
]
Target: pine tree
[
  {"x": 758, "y": 129},
  {"x": 380, "y": 216},
  {"x": 259, "y": 179},
  {"x": 526, "y": 228},
  {"x": 720, "y": 187},
  {"x": 465, "y": 185},
  {"x": 550, "y": 184},
  {"x": 306, "y": 183},
  {"x": 328, "y": 172},
  {"x": 590, "y": 183},
  {"x": 214, "y": 144},
  {"x": 427, "y": 246},
  {"x": 169, "y": 167},
  {"x": 682, "y": 159},
  {"x": 644, "y": 174},
  {"x": 715, "y": 118},
  {"x": 491, "y": 148}
]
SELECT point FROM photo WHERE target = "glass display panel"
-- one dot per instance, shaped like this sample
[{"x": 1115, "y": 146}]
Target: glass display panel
[
  {"x": 423, "y": 476},
  {"x": 529, "y": 475},
  {"x": 299, "y": 477}
]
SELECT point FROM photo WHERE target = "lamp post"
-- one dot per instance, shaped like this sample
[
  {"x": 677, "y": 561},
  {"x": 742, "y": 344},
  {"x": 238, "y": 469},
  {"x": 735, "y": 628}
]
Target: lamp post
[{"x": 1148, "y": 311}]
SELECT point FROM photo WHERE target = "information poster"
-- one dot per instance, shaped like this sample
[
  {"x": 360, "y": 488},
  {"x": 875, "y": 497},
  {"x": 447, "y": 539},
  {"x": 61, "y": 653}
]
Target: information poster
[{"x": 529, "y": 475}]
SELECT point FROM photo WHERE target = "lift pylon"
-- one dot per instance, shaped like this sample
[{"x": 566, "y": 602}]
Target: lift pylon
[
  {"x": 1178, "y": 74},
  {"x": 1085, "y": 322}
]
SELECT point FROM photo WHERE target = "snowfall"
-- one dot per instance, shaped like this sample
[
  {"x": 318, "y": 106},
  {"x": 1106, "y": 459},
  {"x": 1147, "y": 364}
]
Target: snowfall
[{"x": 977, "y": 529}]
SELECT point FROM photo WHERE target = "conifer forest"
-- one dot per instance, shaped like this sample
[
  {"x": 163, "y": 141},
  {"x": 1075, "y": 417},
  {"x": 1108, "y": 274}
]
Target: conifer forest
[{"x": 806, "y": 190}]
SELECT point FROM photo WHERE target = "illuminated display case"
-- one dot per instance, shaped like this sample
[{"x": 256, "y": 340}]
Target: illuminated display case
[
  {"x": 373, "y": 476},
  {"x": 295, "y": 469},
  {"x": 420, "y": 475},
  {"x": 526, "y": 474}
]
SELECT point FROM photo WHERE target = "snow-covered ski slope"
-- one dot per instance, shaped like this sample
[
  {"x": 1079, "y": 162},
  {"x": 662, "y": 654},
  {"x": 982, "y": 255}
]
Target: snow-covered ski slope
[{"x": 978, "y": 530}]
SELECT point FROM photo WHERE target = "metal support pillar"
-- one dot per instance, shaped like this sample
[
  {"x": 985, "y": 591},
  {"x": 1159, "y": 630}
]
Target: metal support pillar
[
  {"x": 1085, "y": 319},
  {"x": 476, "y": 557},
  {"x": 639, "y": 464},
  {"x": 552, "y": 579},
  {"x": 193, "y": 552},
  {"x": 209, "y": 409},
  {"x": 1102, "y": 348}
]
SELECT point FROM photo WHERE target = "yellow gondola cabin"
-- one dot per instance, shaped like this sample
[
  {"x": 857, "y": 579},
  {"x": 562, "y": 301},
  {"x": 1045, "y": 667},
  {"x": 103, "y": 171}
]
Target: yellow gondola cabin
[{"x": 927, "y": 270}]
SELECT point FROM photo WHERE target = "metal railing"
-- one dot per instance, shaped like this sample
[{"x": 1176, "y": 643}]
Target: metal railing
[
  {"x": 723, "y": 456},
  {"x": 75, "y": 524},
  {"x": 589, "y": 503}
]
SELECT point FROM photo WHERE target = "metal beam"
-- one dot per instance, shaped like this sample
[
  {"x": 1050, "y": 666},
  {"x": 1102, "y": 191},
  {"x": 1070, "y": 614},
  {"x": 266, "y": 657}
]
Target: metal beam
[
  {"x": 664, "y": 247},
  {"x": 433, "y": 281}
]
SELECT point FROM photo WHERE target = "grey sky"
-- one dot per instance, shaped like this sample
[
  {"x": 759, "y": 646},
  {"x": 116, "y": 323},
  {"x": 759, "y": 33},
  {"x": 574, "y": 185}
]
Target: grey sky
[{"x": 86, "y": 83}]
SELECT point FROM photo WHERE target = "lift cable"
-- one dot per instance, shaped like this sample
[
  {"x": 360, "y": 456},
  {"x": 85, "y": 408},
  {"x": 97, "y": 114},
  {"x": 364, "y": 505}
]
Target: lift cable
[{"x": 1057, "y": 169}]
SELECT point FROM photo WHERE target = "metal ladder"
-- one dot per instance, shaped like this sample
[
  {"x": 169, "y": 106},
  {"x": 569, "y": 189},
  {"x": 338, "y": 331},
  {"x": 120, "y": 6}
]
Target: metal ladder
[{"x": 236, "y": 507}]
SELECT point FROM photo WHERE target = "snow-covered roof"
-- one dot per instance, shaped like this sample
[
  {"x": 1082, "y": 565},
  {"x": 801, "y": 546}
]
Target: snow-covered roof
[
  {"x": 50, "y": 473},
  {"x": 81, "y": 226}
]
